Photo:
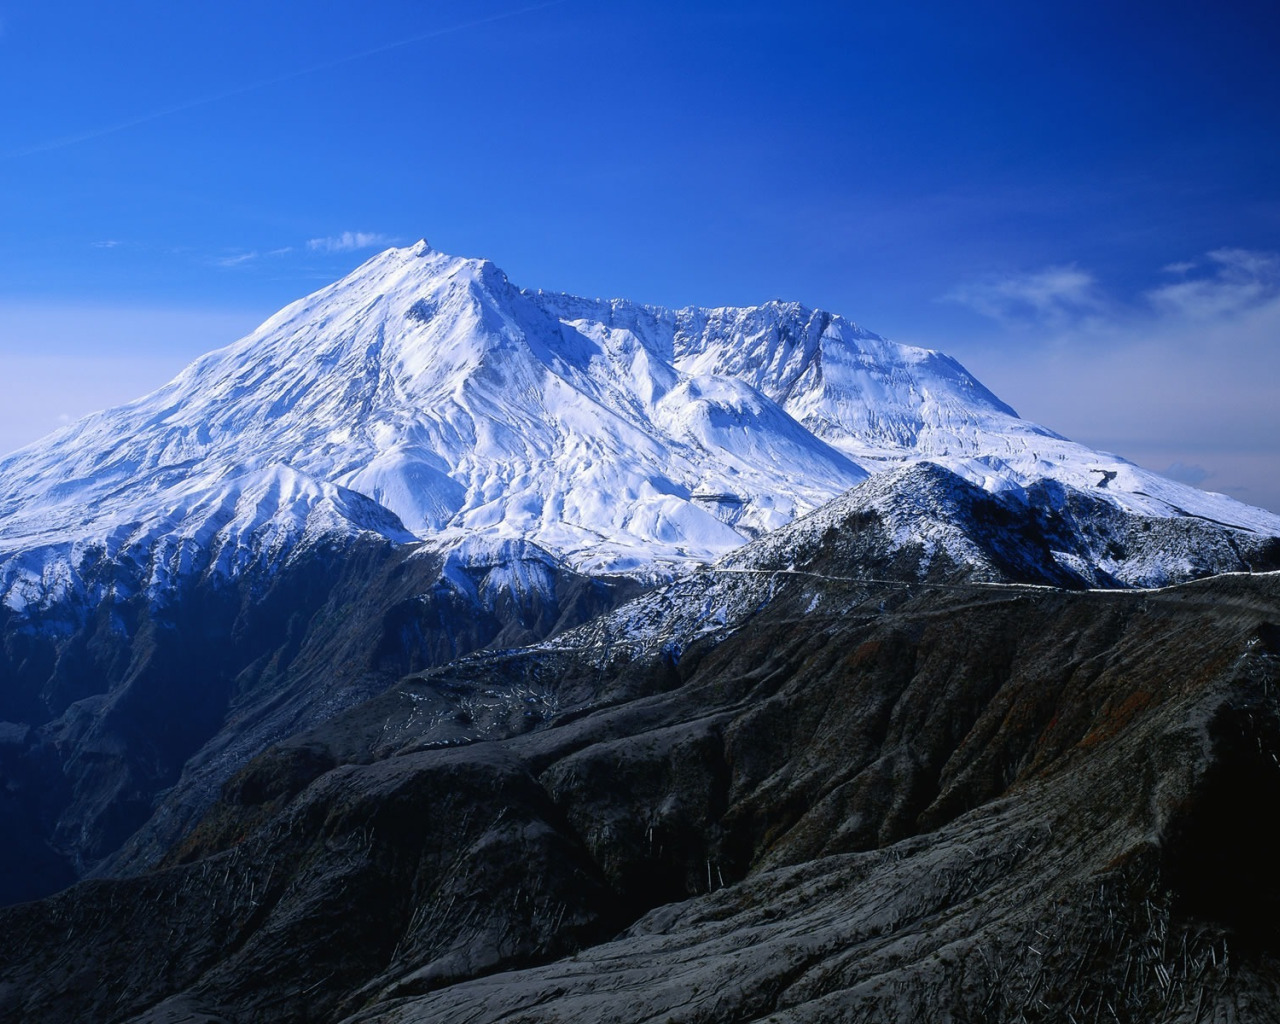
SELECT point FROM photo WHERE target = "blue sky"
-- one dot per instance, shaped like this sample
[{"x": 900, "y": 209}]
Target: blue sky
[{"x": 1081, "y": 201}]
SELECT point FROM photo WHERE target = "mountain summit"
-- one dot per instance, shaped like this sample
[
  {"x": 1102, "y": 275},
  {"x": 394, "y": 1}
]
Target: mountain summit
[
  {"x": 425, "y": 397},
  {"x": 423, "y": 460}
]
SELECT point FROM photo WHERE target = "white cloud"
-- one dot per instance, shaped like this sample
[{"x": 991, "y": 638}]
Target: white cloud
[
  {"x": 237, "y": 260},
  {"x": 349, "y": 241},
  {"x": 1181, "y": 379},
  {"x": 1053, "y": 295},
  {"x": 1238, "y": 280}
]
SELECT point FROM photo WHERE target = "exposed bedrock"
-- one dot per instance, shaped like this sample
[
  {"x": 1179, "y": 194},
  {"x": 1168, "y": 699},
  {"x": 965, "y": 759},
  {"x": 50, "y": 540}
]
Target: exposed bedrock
[{"x": 973, "y": 805}]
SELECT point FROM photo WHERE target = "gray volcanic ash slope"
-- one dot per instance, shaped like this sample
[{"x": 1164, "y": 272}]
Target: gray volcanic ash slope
[{"x": 854, "y": 802}]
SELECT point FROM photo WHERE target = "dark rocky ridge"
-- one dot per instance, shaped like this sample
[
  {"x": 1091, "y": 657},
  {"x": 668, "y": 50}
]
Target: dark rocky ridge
[
  {"x": 866, "y": 762},
  {"x": 1047, "y": 533},
  {"x": 123, "y": 720},
  {"x": 119, "y": 723},
  {"x": 957, "y": 803}
]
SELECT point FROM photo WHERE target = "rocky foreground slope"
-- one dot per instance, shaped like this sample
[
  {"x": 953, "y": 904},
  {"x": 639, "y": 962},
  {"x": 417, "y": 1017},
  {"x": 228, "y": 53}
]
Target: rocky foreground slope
[{"x": 945, "y": 797}]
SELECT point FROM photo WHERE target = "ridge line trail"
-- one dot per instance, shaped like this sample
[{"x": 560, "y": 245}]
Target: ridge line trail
[{"x": 983, "y": 584}]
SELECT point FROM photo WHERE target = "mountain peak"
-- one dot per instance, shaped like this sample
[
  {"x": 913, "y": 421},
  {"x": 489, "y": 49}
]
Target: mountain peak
[{"x": 617, "y": 436}]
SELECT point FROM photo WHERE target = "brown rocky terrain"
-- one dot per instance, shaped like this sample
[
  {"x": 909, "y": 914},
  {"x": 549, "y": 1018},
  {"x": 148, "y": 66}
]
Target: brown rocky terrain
[
  {"x": 956, "y": 802},
  {"x": 119, "y": 723}
]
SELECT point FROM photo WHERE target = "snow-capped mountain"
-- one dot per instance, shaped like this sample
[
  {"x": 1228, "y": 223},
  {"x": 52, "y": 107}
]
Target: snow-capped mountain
[
  {"x": 423, "y": 460},
  {"x": 426, "y": 397}
]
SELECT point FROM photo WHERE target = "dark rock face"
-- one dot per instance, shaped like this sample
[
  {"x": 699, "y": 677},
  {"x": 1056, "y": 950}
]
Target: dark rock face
[
  {"x": 948, "y": 803},
  {"x": 122, "y": 721},
  {"x": 1221, "y": 861}
]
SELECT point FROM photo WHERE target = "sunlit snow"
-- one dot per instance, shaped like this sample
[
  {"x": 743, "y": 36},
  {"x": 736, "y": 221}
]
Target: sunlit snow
[{"x": 426, "y": 397}]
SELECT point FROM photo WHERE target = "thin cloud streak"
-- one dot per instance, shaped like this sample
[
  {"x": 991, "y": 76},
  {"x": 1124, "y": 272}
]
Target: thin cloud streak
[
  {"x": 1181, "y": 379},
  {"x": 237, "y": 260},
  {"x": 1054, "y": 294},
  {"x": 203, "y": 101},
  {"x": 240, "y": 259}
]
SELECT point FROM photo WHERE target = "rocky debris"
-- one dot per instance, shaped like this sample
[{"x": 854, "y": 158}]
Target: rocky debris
[{"x": 932, "y": 804}]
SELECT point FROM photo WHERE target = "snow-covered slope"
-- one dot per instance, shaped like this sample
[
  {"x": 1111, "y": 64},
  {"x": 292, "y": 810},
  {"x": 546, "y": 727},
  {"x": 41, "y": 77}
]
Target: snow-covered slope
[{"x": 426, "y": 397}]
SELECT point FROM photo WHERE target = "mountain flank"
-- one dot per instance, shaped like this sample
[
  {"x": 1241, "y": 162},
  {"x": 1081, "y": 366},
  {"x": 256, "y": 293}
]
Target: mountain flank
[
  {"x": 447, "y": 650},
  {"x": 964, "y": 803}
]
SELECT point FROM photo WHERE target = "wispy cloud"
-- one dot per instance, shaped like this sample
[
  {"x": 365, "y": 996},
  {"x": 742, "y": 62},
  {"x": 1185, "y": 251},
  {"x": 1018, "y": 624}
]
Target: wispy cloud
[
  {"x": 248, "y": 87},
  {"x": 1180, "y": 378},
  {"x": 108, "y": 243},
  {"x": 236, "y": 260},
  {"x": 1237, "y": 280},
  {"x": 1053, "y": 295},
  {"x": 240, "y": 259},
  {"x": 1228, "y": 282},
  {"x": 349, "y": 241}
]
